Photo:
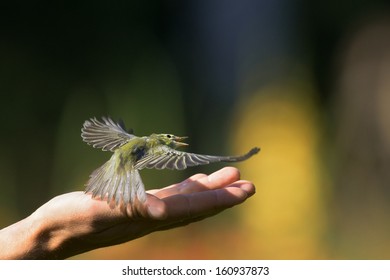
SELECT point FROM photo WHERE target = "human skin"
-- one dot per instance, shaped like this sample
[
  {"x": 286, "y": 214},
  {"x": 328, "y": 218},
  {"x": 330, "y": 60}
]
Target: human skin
[{"x": 73, "y": 223}]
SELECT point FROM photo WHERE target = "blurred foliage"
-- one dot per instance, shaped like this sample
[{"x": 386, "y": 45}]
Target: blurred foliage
[{"x": 305, "y": 81}]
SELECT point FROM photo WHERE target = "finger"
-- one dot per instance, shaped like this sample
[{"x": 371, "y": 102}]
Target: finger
[
  {"x": 173, "y": 189},
  {"x": 218, "y": 179},
  {"x": 246, "y": 186},
  {"x": 189, "y": 206},
  {"x": 201, "y": 182}
]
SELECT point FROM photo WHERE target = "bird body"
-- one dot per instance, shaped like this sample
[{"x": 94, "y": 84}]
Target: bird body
[{"x": 119, "y": 179}]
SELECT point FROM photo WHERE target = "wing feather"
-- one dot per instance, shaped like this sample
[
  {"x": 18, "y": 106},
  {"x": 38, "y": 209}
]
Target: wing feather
[
  {"x": 106, "y": 134},
  {"x": 113, "y": 182},
  {"x": 165, "y": 157}
]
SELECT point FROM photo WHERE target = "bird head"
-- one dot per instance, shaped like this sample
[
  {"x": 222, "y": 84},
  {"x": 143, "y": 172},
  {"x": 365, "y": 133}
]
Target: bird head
[{"x": 172, "y": 140}]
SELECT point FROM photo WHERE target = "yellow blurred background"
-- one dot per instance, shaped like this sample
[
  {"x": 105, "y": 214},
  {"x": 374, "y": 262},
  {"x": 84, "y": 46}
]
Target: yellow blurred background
[{"x": 308, "y": 84}]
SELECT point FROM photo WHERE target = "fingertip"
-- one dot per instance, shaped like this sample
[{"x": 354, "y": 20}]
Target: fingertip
[
  {"x": 249, "y": 188},
  {"x": 239, "y": 191},
  {"x": 232, "y": 173}
]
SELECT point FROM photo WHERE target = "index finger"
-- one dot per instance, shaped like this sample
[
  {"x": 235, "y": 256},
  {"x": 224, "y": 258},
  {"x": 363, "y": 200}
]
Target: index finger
[{"x": 201, "y": 182}]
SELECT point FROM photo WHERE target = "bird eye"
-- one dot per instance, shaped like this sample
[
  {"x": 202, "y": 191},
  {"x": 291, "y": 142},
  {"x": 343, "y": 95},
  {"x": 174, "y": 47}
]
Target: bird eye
[{"x": 169, "y": 136}]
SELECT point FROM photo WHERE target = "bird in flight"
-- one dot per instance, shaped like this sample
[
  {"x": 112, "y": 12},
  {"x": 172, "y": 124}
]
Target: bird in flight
[{"x": 118, "y": 180}]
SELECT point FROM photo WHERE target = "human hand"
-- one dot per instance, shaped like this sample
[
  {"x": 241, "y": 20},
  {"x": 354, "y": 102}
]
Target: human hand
[{"x": 74, "y": 223}]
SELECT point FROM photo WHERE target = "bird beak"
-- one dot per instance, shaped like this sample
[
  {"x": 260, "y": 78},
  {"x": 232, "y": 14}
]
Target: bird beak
[{"x": 179, "y": 140}]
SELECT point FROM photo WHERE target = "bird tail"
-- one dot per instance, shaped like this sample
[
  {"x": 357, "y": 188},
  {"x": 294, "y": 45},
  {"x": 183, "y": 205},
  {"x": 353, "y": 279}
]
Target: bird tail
[{"x": 113, "y": 182}]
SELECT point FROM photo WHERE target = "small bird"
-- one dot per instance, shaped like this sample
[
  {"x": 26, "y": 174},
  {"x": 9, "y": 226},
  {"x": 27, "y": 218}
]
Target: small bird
[{"x": 118, "y": 180}]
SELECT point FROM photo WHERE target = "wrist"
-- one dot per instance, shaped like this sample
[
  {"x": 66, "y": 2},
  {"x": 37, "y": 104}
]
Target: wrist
[
  {"x": 47, "y": 236},
  {"x": 30, "y": 238}
]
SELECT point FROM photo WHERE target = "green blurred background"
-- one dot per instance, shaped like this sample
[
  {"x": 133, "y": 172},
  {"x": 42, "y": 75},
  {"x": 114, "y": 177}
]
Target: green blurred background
[{"x": 308, "y": 82}]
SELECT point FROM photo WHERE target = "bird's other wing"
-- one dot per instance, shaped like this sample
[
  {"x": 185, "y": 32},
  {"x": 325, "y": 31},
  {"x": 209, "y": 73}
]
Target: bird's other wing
[
  {"x": 166, "y": 158},
  {"x": 116, "y": 184},
  {"x": 106, "y": 134}
]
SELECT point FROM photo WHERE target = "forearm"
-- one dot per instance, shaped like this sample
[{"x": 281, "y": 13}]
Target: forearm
[
  {"x": 29, "y": 239},
  {"x": 19, "y": 240}
]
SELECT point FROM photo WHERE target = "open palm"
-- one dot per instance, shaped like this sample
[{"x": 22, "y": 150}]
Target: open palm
[{"x": 76, "y": 223}]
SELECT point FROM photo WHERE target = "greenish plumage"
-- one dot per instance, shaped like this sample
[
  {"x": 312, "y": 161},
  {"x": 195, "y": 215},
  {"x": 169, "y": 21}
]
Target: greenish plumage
[{"x": 119, "y": 179}]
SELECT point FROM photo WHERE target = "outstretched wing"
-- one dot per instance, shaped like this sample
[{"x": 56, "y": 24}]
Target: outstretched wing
[
  {"x": 116, "y": 183},
  {"x": 106, "y": 135},
  {"x": 164, "y": 157}
]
